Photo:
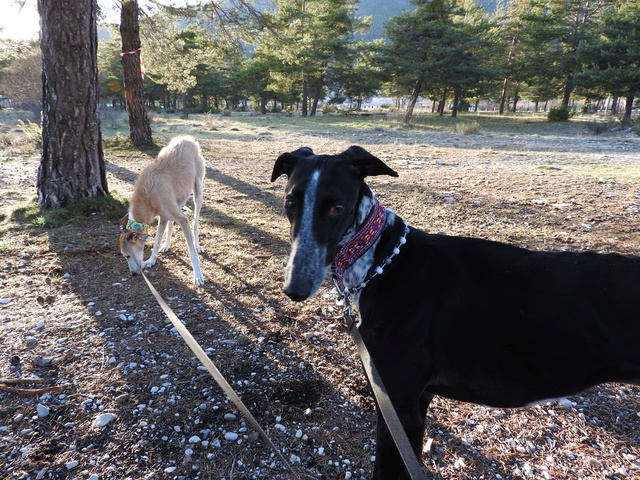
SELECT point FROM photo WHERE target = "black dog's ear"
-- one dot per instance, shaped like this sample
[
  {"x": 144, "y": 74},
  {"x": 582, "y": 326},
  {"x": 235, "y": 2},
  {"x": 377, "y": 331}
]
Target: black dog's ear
[
  {"x": 365, "y": 164},
  {"x": 287, "y": 161}
]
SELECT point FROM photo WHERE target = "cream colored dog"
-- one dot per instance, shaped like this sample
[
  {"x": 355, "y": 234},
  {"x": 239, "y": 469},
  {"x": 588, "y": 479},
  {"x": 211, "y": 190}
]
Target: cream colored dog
[{"x": 162, "y": 189}]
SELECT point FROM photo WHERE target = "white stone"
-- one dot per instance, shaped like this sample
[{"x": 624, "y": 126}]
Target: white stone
[
  {"x": 565, "y": 402},
  {"x": 104, "y": 419},
  {"x": 231, "y": 436},
  {"x": 43, "y": 410},
  {"x": 195, "y": 439}
]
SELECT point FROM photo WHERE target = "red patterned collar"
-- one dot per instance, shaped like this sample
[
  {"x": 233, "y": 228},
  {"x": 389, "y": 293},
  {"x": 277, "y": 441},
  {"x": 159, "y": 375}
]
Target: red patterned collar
[{"x": 362, "y": 241}]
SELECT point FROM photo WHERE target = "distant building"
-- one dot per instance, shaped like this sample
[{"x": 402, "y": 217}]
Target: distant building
[{"x": 5, "y": 102}]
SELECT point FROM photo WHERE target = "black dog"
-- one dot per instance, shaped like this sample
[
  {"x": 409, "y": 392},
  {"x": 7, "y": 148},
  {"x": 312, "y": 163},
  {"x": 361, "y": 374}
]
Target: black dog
[{"x": 465, "y": 318}]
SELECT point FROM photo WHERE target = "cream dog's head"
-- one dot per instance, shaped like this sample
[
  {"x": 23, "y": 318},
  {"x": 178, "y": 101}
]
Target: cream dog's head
[{"x": 133, "y": 237}]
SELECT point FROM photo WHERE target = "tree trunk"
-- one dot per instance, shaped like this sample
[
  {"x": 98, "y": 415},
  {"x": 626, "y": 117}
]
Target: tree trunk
[
  {"x": 443, "y": 102},
  {"x": 263, "y": 103},
  {"x": 316, "y": 96},
  {"x": 516, "y": 97},
  {"x": 628, "y": 107},
  {"x": 456, "y": 100},
  {"x": 185, "y": 108},
  {"x": 503, "y": 97},
  {"x": 568, "y": 89},
  {"x": 72, "y": 165},
  {"x": 412, "y": 101},
  {"x": 139, "y": 128},
  {"x": 305, "y": 89}
]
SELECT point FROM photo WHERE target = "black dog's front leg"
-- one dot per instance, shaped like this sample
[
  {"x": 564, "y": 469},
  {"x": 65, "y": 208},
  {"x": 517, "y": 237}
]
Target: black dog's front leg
[{"x": 389, "y": 464}]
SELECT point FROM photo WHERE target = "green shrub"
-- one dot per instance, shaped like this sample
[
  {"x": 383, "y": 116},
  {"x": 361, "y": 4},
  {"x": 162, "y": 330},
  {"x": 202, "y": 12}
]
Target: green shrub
[
  {"x": 467, "y": 128},
  {"x": 117, "y": 141},
  {"x": 601, "y": 127},
  {"x": 559, "y": 114},
  {"x": 326, "y": 108}
]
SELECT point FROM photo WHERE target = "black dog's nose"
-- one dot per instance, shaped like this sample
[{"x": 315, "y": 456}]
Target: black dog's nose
[
  {"x": 133, "y": 274},
  {"x": 296, "y": 296}
]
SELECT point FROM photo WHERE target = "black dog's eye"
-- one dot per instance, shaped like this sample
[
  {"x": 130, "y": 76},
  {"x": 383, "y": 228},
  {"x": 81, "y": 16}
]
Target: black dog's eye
[
  {"x": 290, "y": 205},
  {"x": 336, "y": 210}
]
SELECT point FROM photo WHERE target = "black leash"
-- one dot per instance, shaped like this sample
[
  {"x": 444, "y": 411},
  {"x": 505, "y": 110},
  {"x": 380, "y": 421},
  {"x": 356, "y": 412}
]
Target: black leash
[{"x": 414, "y": 466}]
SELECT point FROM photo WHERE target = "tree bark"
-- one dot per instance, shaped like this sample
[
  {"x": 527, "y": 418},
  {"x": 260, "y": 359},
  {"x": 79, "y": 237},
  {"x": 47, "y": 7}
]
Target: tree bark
[
  {"x": 305, "y": 90},
  {"x": 72, "y": 165},
  {"x": 503, "y": 97},
  {"x": 456, "y": 101},
  {"x": 568, "y": 90},
  {"x": 139, "y": 127},
  {"x": 316, "y": 96},
  {"x": 412, "y": 101},
  {"x": 628, "y": 108},
  {"x": 516, "y": 98},
  {"x": 443, "y": 102}
]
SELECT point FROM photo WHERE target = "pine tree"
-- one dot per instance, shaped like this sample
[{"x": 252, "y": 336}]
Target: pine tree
[
  {"x": 612, "y": 58},
  {"x": 139, "y": 127},
  {"x": 434, "y": 48},
  {"x": 72, "y": 165},
  {"x": 307, "y": 39}
]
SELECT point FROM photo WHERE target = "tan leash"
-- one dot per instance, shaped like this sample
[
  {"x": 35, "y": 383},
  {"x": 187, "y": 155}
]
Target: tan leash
[{"x": 213, "y": 370}]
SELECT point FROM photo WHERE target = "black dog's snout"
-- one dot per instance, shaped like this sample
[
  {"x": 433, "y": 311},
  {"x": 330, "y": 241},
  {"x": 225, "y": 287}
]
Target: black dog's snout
[{"x": 296, "y": 296}]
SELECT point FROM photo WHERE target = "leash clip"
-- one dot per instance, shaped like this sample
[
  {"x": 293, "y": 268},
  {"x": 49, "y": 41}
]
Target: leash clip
[{"x": 347, "y": 311}]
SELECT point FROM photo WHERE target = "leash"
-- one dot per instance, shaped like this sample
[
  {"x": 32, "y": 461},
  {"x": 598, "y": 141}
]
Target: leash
[
  {"x": 413, "y": 465},
  {"x": 354, "y": 249},
  {"x": 212, "y": 369}
]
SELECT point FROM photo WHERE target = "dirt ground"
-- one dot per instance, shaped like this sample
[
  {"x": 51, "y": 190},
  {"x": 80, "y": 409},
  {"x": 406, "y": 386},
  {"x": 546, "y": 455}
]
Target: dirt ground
[{"x": 71, "y": 316}]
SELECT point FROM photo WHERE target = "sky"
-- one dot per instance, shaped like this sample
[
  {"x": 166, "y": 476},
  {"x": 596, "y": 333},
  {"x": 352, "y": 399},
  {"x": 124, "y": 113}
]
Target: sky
[
  {"x": 24, "y": 23},
  {"x": 19, "y": 24}
]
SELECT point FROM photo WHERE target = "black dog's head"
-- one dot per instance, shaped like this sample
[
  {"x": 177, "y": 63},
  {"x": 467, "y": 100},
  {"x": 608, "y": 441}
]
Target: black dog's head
[{"x": 323, "y": 197}]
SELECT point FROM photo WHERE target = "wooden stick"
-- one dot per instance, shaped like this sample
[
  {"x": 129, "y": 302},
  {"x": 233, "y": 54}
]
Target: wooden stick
[
  {"x": 33, "y": 391},
  {"x": 20, "y": 381}
]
